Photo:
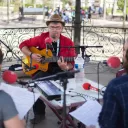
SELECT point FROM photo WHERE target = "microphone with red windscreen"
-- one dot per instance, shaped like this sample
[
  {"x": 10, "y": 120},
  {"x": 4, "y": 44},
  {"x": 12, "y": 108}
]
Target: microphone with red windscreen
[
  {"x": 35, "y": 66},
  {"x": 48, "y": 42},
  {"x": 9, "y": 77},
  {"x": 114, "y": 62},
  {"x": 87, "y": 86}
]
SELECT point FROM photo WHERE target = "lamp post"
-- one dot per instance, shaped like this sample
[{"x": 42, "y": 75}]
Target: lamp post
[
  {"x": 104, "y": 6},
  {"x": 125, "y": 3},
  {"x": 77, "y": 24}
]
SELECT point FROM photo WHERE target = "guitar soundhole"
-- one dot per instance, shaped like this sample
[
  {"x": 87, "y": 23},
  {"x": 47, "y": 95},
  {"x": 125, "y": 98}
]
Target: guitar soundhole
[{"x": 43, "y": 60}]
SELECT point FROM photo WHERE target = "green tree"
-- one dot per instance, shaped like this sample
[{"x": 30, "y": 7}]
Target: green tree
[
  {"x": 67, "y": 1},
  {"x": 33, "y": 1},
  {"x": 120, "y": 4}
]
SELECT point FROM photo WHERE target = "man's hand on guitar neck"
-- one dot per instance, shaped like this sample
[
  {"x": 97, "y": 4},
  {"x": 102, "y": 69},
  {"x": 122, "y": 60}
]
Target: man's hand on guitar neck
[
  {"x": 64, "y": 65},
  {"x": 36, "y": 57}
]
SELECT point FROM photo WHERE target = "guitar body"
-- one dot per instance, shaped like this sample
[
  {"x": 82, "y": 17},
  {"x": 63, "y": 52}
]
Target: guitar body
[{"x": 40, "y": 66}]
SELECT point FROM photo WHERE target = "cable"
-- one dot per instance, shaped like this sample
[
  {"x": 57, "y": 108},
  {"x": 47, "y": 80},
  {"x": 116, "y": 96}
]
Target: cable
[
  {"x": 34, "y": 101},
  {"x": 80, "y": 96},
  {"x": 84, "y": 95},
  {"x": 98, "y": 80}
]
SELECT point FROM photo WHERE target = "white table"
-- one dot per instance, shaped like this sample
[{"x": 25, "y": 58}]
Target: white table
[{"x": 72, "y": 99}]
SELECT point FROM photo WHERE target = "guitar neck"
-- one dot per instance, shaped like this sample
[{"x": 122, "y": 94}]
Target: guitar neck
[{"x": 55, "y": 59}]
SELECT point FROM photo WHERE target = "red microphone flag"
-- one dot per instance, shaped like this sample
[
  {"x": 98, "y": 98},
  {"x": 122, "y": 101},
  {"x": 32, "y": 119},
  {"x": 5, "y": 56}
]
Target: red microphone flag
[
  {"x": 113, "y": 62},
  {"x": 9, "y": 77},
  {"x": 36, "y": 66},
  {"x": 88, "y": 86},
  {"x": 48, "y": 40}
]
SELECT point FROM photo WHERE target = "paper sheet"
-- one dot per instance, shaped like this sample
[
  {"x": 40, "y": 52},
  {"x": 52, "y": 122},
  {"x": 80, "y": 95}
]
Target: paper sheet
[
  {"x": 22, "y": 98},
  {"x": 88, "y": 113}
]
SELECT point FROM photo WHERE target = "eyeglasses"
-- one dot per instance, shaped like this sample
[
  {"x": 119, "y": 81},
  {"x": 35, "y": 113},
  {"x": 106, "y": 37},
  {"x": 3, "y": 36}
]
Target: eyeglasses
[{"x": 56, "y": 28}]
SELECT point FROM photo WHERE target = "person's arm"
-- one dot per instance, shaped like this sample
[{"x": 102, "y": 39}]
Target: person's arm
[
  {"x": 32, "y": 42},
  {"x": 27, "y": 52},
  {"x": 14, "y": 122},
  {"x": 110, "y": 112},
  {"x": 9, "y": 112}
]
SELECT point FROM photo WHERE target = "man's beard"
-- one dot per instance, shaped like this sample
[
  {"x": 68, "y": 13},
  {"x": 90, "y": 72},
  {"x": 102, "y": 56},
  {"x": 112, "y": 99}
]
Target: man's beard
[{"x": 54, "y": 36}]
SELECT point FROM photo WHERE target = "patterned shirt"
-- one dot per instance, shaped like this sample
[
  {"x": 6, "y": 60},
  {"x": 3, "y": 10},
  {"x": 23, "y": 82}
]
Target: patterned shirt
[{"x": 114, "y": 113}]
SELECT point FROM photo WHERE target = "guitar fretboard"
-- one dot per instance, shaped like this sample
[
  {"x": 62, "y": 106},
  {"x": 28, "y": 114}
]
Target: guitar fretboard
[{"x": 55, "y": 59}]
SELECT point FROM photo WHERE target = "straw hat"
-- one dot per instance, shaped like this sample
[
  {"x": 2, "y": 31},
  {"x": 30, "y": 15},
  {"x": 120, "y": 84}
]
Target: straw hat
[{"x": 55, "y": 18}]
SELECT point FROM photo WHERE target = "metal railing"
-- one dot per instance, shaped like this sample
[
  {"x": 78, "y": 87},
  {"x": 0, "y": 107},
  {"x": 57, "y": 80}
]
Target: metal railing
[{"x": 111, "y": 38}]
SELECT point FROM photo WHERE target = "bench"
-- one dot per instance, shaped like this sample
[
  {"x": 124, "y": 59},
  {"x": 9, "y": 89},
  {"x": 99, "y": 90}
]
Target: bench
[
  {"x": 120, "y": 17},
  {"x": 33, "y": 11}
]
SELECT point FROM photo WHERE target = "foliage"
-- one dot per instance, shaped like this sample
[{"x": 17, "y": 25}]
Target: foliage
[
  {"x": 109, "y": 11},
  {"x": 17, "y": 4},
  {"x": 28, "y": 5},
  {"x": 127, "y": 10},
  {"x": 119, "y": 11},
  {"x": 66, "y": 1},
  {"x": 85, "y": 8},
  {"x": 120, "y": 4},
  {"x": 33, "y": 1},
  {"x": 48, "y": 3},
  {"x": 39, "y": 5},
  {"x": 1, "y": 4}
]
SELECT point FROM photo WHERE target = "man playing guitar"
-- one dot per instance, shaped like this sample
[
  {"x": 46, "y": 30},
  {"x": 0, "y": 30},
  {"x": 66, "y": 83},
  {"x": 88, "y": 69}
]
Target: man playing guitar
[{"x": 55, "y": 27}]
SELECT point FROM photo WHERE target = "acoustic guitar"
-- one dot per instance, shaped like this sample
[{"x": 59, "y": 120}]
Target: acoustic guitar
[{"x": 30, "y": 66}]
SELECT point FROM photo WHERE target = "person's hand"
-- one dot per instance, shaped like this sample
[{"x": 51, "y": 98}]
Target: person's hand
[
  {"x": 62, "y": 64},
  {"x": 36, "y": 57}
]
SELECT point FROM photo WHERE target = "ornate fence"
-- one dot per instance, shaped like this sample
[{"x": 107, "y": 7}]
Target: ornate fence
[{"x": 111, "y": 39}]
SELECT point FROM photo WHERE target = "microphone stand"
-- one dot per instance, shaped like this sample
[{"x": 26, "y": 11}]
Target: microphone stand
[
  {"x": 98, "y": 80},
  {"x": 83, "y": 50},
  {"x": 14, "y": 53},
  {"x": 64, "y": 81},
  {"x": 55, "y": 76},
  {"x": 64, "y": 84}
]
